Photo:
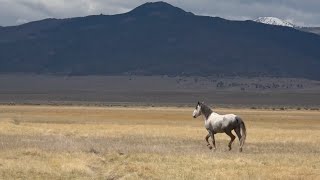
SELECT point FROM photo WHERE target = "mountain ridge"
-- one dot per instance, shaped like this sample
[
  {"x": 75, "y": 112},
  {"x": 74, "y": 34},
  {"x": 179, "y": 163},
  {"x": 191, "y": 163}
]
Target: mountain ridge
[
  {"x": 164, "y": 41},
  {"x": 280, "y": 22},
  {"x": 158, "y": 8}
]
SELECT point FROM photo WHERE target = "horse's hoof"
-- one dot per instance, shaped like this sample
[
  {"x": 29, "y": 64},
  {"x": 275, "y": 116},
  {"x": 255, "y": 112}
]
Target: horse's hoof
[
  {"x": 210, "y": 147},
  {"x": 240, "y": 150}
]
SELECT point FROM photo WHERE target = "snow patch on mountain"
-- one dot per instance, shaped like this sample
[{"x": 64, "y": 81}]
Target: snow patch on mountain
[{"x": 274, "y": 21}]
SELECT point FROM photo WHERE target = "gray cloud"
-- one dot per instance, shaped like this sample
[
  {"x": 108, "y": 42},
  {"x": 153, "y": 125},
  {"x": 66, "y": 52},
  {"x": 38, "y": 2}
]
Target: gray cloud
[{"x": 304, "y": 13}]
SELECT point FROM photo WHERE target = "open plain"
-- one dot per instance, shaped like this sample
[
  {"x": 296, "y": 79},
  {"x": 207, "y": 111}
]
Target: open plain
[
  {"x": 75, "y": 142},
  {"x": 159, "y": 91}
]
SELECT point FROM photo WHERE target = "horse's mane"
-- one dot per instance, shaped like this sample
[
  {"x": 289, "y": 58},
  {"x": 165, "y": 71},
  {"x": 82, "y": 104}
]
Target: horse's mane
[{"x": 206, "y": 111}]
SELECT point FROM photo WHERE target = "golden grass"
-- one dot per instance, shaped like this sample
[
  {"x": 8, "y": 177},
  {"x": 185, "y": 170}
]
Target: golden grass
[{"x": 43, "y": 142}]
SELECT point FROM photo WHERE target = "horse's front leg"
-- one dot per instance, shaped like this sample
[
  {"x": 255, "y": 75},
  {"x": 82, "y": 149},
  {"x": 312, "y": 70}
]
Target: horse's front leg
[{"x": 207, "y": 140}]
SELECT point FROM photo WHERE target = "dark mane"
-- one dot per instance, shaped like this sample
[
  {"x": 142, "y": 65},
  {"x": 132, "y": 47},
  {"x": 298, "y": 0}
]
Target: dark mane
[{"x": 205, "y": 110}]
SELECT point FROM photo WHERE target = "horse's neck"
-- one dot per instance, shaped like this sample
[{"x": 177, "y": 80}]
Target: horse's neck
[{"x": 212, "y": 114}]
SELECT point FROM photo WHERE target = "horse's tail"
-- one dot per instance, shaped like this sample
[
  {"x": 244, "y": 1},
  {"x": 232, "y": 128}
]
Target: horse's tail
[{"x": 243, "y": 132}]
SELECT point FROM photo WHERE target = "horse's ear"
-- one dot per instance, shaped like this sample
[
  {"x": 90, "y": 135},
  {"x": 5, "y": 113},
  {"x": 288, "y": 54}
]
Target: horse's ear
[{"x": 199, "y": 103}]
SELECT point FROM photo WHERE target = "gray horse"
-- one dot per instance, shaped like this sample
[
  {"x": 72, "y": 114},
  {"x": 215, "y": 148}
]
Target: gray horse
[{"x": 216, "y": 123}]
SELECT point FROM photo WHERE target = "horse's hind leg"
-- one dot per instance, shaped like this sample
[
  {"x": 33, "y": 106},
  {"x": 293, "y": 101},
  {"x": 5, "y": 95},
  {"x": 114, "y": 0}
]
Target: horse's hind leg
[
  {"x": 229, "y": 133},
  {"x": 207, "y": 139},
  {"x": 213, "y": 141},
  {"x": 237, "y": 130}
]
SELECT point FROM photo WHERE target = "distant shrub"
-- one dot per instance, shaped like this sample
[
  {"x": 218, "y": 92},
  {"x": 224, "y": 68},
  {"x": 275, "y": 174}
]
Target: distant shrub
[
  {"x": 16, "y": 121},
  {"x": 298, "y": 108},
  {"x": 253, "y": 108},
  {"x": 196, "y": 80},
  {"x": 92, "y": 150},
  {"x": 220, "y": 84},
  {"x": 282, "y": 108}
]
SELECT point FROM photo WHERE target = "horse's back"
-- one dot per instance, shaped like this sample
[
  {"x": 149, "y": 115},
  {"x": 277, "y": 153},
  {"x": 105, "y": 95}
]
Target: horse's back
[
  {"x": 229, "y": 122},
  {"x": 230, "y": 116},
  {"x": 219, "y": 123}
]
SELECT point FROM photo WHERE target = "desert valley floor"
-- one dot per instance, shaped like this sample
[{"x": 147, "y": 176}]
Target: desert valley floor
[{"x": 63, "y": 142}]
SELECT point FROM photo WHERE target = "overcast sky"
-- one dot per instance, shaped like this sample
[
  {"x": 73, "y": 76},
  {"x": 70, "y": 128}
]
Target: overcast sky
[{"x": 299, "y": 12}]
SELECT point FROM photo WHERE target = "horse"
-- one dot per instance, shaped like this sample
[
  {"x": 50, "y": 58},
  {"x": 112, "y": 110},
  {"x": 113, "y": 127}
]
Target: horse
[{"x": 216, "y": 123}]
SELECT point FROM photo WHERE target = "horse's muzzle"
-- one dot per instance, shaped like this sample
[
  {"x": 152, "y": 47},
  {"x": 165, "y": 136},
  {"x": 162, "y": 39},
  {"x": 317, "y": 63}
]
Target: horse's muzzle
[{"x": 194, "y": 117}]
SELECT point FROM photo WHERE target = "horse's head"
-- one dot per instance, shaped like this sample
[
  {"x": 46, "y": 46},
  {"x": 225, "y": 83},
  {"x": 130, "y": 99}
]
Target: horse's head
[{"x": 197, "y": 111}]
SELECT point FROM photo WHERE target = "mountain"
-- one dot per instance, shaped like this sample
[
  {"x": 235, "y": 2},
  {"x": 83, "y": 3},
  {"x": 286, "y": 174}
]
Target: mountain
[
  {"x": 274, "y": 21},
  {"x": 279, "y": 22},
  {"x": 158, "y": 39}
]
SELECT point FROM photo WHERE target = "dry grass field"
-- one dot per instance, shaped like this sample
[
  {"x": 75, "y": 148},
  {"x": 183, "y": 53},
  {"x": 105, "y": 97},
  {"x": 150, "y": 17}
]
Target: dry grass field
[{"x": 47, "y": 142}]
